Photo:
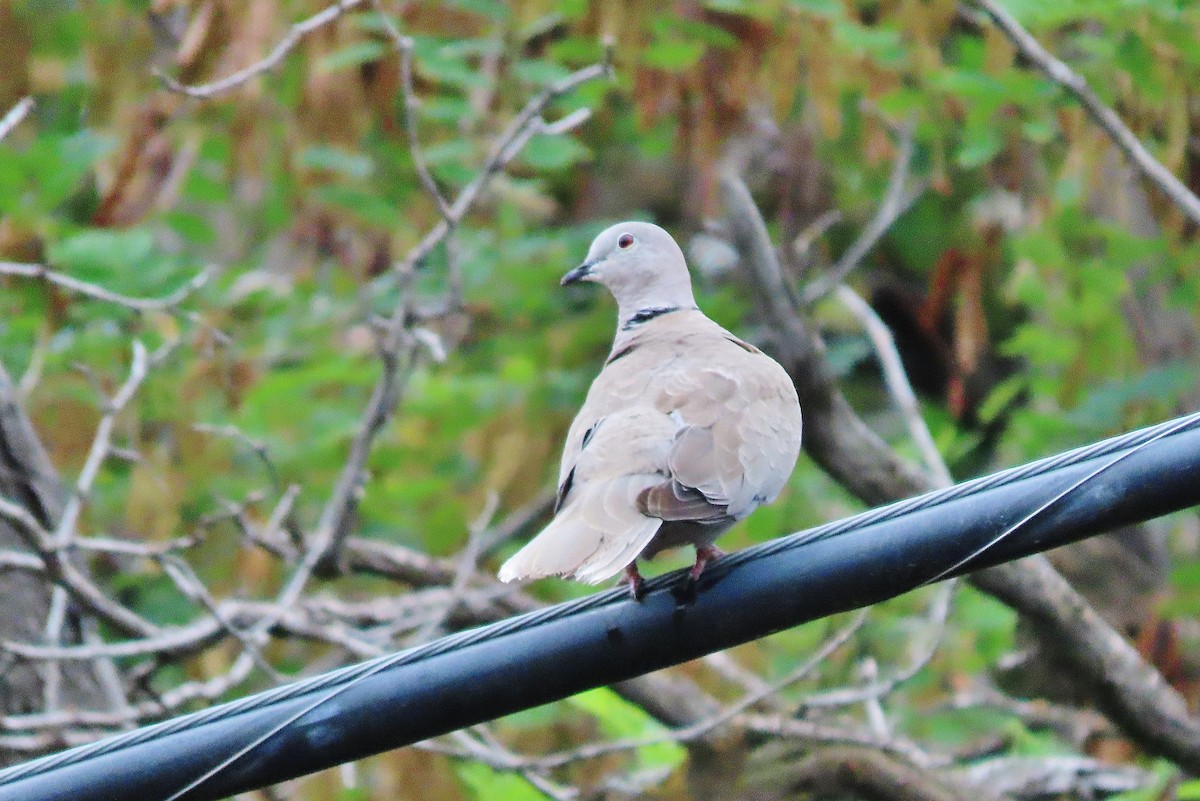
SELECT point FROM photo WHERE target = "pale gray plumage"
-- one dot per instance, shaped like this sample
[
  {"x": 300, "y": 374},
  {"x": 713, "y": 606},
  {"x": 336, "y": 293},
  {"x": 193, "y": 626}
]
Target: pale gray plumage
[{"x": 686, "y": 430}]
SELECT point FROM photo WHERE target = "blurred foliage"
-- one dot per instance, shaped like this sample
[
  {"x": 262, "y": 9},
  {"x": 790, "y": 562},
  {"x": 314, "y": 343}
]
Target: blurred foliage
[{"x": 1048, "y": 301}]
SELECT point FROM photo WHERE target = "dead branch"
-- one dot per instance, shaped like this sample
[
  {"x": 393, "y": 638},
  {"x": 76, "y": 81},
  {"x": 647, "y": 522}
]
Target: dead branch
[
  {"x": 273, "y": 59},
  {"x": 835, "y": 437},
  {"x": 897, "y": 383},
  {"x": 939, "y": 614},
  {"x": 1128, "y": 690},
  {"x": 1132, "y": 691},
  {"x": 1108, "y": 120},
  {"x": 97, "y": 292},
  {"x": 397, "y": 347},
  {"x": 1057, "y": 777},
  {"x": 18, "y": 112},
  {"x": 862, "y": 772},
  {"x": 897, "y": 200},
  {"x": 64, "y": 533},
  {"x": 404, "y": 47},
  {"x": 60, "y": 569}
]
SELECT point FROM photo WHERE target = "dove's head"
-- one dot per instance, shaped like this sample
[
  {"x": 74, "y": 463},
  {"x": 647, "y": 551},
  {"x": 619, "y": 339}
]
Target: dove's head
[{"x": 641, "y": 265}]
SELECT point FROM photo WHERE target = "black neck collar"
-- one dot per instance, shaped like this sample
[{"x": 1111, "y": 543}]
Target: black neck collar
[{"x": 646, "y": 315}]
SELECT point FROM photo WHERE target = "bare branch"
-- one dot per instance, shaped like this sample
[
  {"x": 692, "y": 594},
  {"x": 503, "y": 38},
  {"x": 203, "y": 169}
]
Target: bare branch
[
  {"x": 858, "y": 771},
  {"x": 1058, "y": 777},
  {"x": 896, "y": 201},
  {"x": 786, "y": 727},
  {"x": 273, "y": 59},
  {"x": 69, "y": 576},
  {"x": 1076, "y": 726},
  {"x": 467, "y": 563},
  {"x": 490, "y": 750},
  {"x": 14, "y": 116},
  {"x": 835, "y": 436},
  {"x": 897, "y": 382},
  {"x": 939, "y": 613},
  {"x": 257, "y": 446},
  {"x": 404, "y": 47},
  {"x": 97, "y": 292},
  {"x": 525, "y": 124},
  {"x": 1128, "y": 690},
  {"x": 1132, "y": 691},
  {"x": 397, "y": 349},
  {"x": 700, "y": 727},
  {"x": 191, "y": 586},
  {"x": 64, "y": 533},
  {"x": 1104, "y": 116}
]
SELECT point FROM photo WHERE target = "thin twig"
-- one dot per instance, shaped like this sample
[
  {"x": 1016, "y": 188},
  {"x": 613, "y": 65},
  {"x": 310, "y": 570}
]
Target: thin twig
[
  {"x": 397, "y": 348},
  {"x": 180, "y": 572},
  {"x": 258, "y": 447},
  {"x": 62, "y": 571},
  {"x": 64, "y": 533},
  {"x": 404, "y": 46},
  {"x": 467, "y": 563},
  {"x": 96, "y": 292},
  {"x": 897, "y": 382},
  {"x": 490, "y": 750},
  {"x": 1105, "y": 117},
  {"x": 14, "y": 116},
  {"x": 808, "y": 731},
  {"x": 524, "y": 125},
  {"x": 896, "y": 201},
  {"x": 272, "y": 60},
  {"x": 939, "y": 613}
]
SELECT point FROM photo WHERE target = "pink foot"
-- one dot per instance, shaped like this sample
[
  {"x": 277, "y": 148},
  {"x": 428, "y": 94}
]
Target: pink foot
[
  {"x": 704, "y": 555},
  {"x": 634, "y": 579}
]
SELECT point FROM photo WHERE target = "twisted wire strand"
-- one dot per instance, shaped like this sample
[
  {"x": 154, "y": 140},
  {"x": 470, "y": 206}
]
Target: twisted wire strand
[{"x": 328, "y": 685}]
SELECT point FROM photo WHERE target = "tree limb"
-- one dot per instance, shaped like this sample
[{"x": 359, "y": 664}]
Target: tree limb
[
  {"x": 18, "y": 112},
  {"x": 1105, "y": 117},
  {"x": 1141, "y": 702}
]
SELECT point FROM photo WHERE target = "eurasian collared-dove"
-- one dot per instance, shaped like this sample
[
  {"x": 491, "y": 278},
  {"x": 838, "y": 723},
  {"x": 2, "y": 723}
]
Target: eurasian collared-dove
[{"x": 686, "y": 430}]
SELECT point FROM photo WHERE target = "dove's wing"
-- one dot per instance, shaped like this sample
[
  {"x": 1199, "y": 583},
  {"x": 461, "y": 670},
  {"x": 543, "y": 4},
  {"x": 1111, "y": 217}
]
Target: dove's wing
[{"x": 739, "y": 433}]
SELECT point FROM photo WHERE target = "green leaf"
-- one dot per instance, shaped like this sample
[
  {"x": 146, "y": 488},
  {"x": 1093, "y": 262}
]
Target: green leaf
[
  {"x": 621, "y": 719},
  {"x": 832, "y": 9},
  {"x": 486, "y": 8},
  {"x": 365, "y": 206},
  {"x": 980, "y": 148},
  {"x": 445, "y": 63},
  {"x": 101, "y": 251},
  {"x": 335, "y": 159},
  {"x": 704, "y": 32},
  {"x": 1040, "y": 130},
  {"x": 538, "y": 72},
  {"x": 487, "y": 784},
  {"x": 446, "y": 109},
  {"x": 352, "y": 55},
  {"x": 1105, "y": 404},
  {"x": 554, "y": 152},
  {"x": 882, "y": 44},
  {"x": 1135, "y": 57},
  {"x": 673, "y": 56},
  {"x": 193, "y": 227}
]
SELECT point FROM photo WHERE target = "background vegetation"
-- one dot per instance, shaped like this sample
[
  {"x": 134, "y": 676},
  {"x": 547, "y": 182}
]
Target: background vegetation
[{"x": 220, "y": 460}]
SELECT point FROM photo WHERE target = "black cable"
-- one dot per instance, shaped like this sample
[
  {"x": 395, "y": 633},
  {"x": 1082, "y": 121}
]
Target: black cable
[{"x": 483, "y": 673}]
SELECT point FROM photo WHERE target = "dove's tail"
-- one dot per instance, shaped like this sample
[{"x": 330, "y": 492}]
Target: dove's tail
[{"x": 593, "y": 537}]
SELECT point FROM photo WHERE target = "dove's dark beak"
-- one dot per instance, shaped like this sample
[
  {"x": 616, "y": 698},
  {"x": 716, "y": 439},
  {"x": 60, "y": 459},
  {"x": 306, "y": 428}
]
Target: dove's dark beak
[{"x": 579, "y": 273}]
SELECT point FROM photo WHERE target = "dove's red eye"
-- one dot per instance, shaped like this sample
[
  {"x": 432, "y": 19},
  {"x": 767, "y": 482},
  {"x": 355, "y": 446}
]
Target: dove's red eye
[{"x": 625, "y": 241}]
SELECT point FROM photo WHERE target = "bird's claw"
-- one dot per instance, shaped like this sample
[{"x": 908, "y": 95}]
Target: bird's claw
[
  {"x": 704, "y": 555},
  {"x": 635, "y": 581}
]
